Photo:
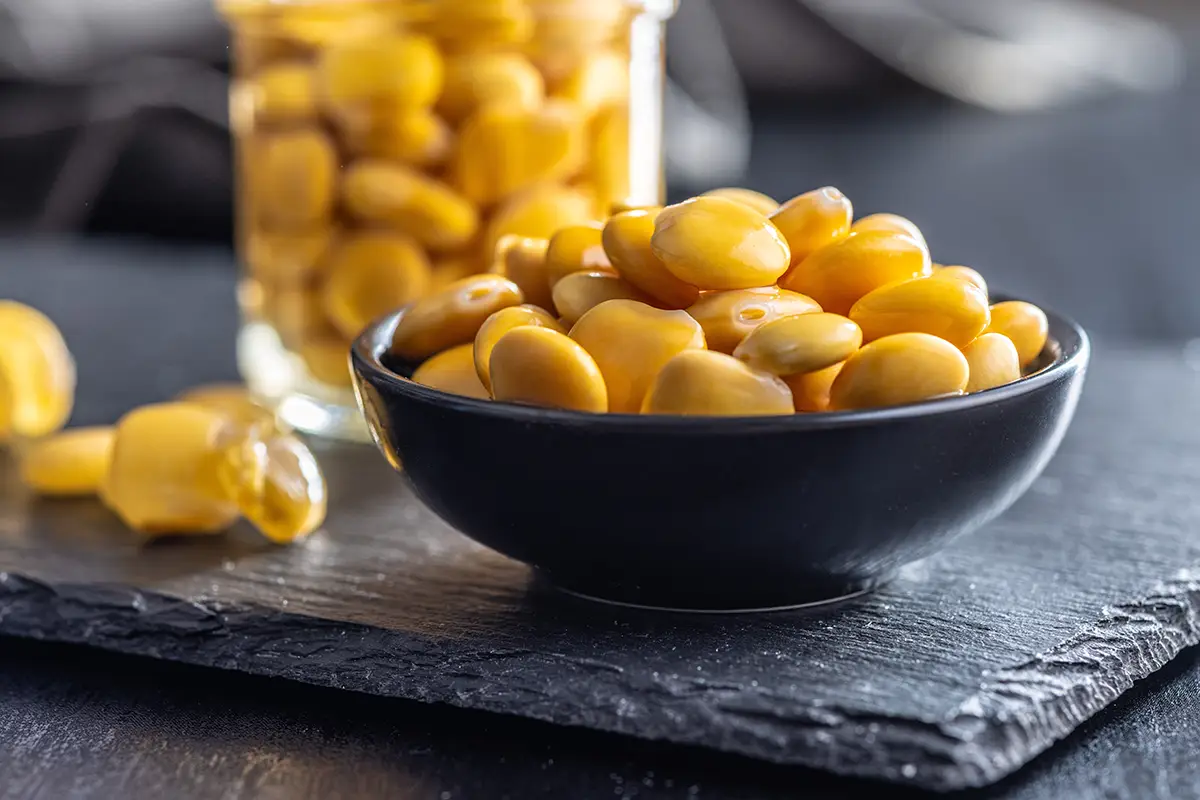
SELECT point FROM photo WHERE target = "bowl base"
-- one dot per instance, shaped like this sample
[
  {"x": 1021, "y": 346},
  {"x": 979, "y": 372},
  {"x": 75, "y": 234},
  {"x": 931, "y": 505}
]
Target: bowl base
[{"x": 754, "y": 601}]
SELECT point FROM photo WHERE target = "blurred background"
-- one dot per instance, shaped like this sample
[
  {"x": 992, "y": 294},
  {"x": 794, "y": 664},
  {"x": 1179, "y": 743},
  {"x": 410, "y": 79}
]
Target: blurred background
[{"x": 1050, "y": 144}]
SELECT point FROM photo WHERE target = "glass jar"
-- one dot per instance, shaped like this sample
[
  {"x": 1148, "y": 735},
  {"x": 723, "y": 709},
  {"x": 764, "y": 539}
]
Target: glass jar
[{"x": 383, "y": 147}]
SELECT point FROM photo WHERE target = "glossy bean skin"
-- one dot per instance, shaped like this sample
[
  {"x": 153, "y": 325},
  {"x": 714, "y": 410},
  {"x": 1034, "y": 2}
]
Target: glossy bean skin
[
  {"x": 897, "y": 369},
  {"x": 717, "y": 243},
  {"x": 523, "y": 261},
  {"x": 453, "y": 316},
  {"x": 538, "y": 213},
  {"x": 630, "y": 342},
  {"x": 954, "y": 310},
  {"x": 626, "y": 239},
  {"x": 810, "y": 390},
  {"x": 729, "y": 317},
  {"x": 37, "y": 373},
  {"x": 540, "y": 366},
  {"x": 580, "y": 292},
  {"x": 838, "y": 275},
  {"x": 278, "y": 486},
  {"x": 370, "y": 275},
  {"x": 962, "y": 274},
  {"x": 893, "y": 223},
  {"x": 762, "y": 203},
  {"x": 427, "y": 210},
  {"x": 1025, "y": 324},
  {"x": 813, "y": 220},
  {"x": 575, "y": 248},
  {"x": 707, "y": 383},
  {"x": 453, "y": 371},
  {"x": 164, "y": 475},
  {"x": 993, "y": 361},
  {"x": 501, "y": 323},
  {"x": 800, "y": 343},
  {"x": 71, "y": 463}
]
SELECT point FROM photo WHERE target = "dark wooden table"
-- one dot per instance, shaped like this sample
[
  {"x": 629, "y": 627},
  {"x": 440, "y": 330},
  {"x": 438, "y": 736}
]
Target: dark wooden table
[{"x": 1090, "y": 210}]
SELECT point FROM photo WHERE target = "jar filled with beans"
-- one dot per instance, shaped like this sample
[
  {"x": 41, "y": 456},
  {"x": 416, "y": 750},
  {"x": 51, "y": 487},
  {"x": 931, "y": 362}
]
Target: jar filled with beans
[{"x": 384, "y": 148}]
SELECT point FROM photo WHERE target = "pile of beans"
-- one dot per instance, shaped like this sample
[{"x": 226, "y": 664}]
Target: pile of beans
[
  {"x": 195, "y": 465},
  {"x": 384, "y": 147},
  {"x": 726, "y": 304}
]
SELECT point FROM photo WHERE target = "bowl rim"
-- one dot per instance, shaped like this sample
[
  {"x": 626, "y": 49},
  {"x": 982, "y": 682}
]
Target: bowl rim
[{"x": 1068, "y": 341}]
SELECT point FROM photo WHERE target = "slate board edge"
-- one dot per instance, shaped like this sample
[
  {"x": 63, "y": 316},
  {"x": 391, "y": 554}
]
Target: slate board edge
[{"x": 1018, "y": 713}]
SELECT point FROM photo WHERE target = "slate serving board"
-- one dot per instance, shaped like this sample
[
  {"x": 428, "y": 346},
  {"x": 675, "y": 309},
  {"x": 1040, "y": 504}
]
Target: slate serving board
[{"x": 955, "y": 675}]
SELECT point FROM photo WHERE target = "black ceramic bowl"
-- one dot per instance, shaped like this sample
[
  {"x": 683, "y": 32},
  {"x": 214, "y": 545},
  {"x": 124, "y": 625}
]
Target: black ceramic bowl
[{"x": 720, "y": 513}]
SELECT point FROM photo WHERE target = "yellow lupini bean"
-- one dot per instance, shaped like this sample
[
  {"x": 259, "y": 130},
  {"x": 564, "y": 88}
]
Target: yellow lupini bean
[
  {"x": 762, "y": 203},
  {"x": 575, "y": 248},
  {"x": 474, "y": 79},
  {"x": 540, "y": 366},
  {"x": 954, "y": 310},
  {"x": 523, "y": 261},
  {"x": 285, "y": 93},
  {"x": 370, "y": 275},
  {"x": 801, "y": 343},
  {"x": 357, "y": 77},
  {"x": 538, "y": 213},
  {"x": 37, "y": 373},
  {"x": 626, "y": 239},
  {"x": 901, "y": 368},
  {"x": 813, "y": 220},
  {"x": 449, "y": 269},
  {"x": 164, "y": 476},
  {"x": 501, "y": 323},
  {"x": 236, "y": 402},
  {"x": 993, "y": 361},
  {"x": 838, "y": 275},
  {"x": 297, "y": 172},
  {"x": 717, "y": 243},
  {"x": 73, "y": 462},
  {"x": 893, "y": 223},
  {"x": 412, "y": 136},
  {"x": 602, "y": 79},
  {"x": 579, "y": 292},
  {"x": 453, "y": 371},
  {"x": 276, "y": 483},
  {"x": 1025, "y": 324},
  {"x": 962, "y": 274},
  {"x": 631, "y": 342},
  {"x": 327, "y": 360},
  {"x": 728, "y": 317},
  {"x": 428, "y": 210},
  {"x": 810, "y": 390},
  {"x": 296, "y": 313},
  {"x": 452, "y": 316},
  {"x": 706, "y": 383},
  {"x": 482, "y": 24},
  {"x": 504, "y": 148},
  {"x": 293, "y": 257}
]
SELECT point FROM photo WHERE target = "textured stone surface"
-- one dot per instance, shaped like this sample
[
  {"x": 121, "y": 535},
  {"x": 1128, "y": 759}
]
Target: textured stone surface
[{"x": 954, "y": 675}]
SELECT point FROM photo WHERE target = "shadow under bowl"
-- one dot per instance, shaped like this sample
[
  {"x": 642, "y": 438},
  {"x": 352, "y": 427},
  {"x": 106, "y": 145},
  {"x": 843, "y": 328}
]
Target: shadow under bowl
[{"x": 720, "y": 513}]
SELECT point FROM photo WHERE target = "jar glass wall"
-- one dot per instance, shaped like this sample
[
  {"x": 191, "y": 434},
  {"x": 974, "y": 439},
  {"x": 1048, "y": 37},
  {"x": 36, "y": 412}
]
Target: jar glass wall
[{"x": 383, "y": 147}]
